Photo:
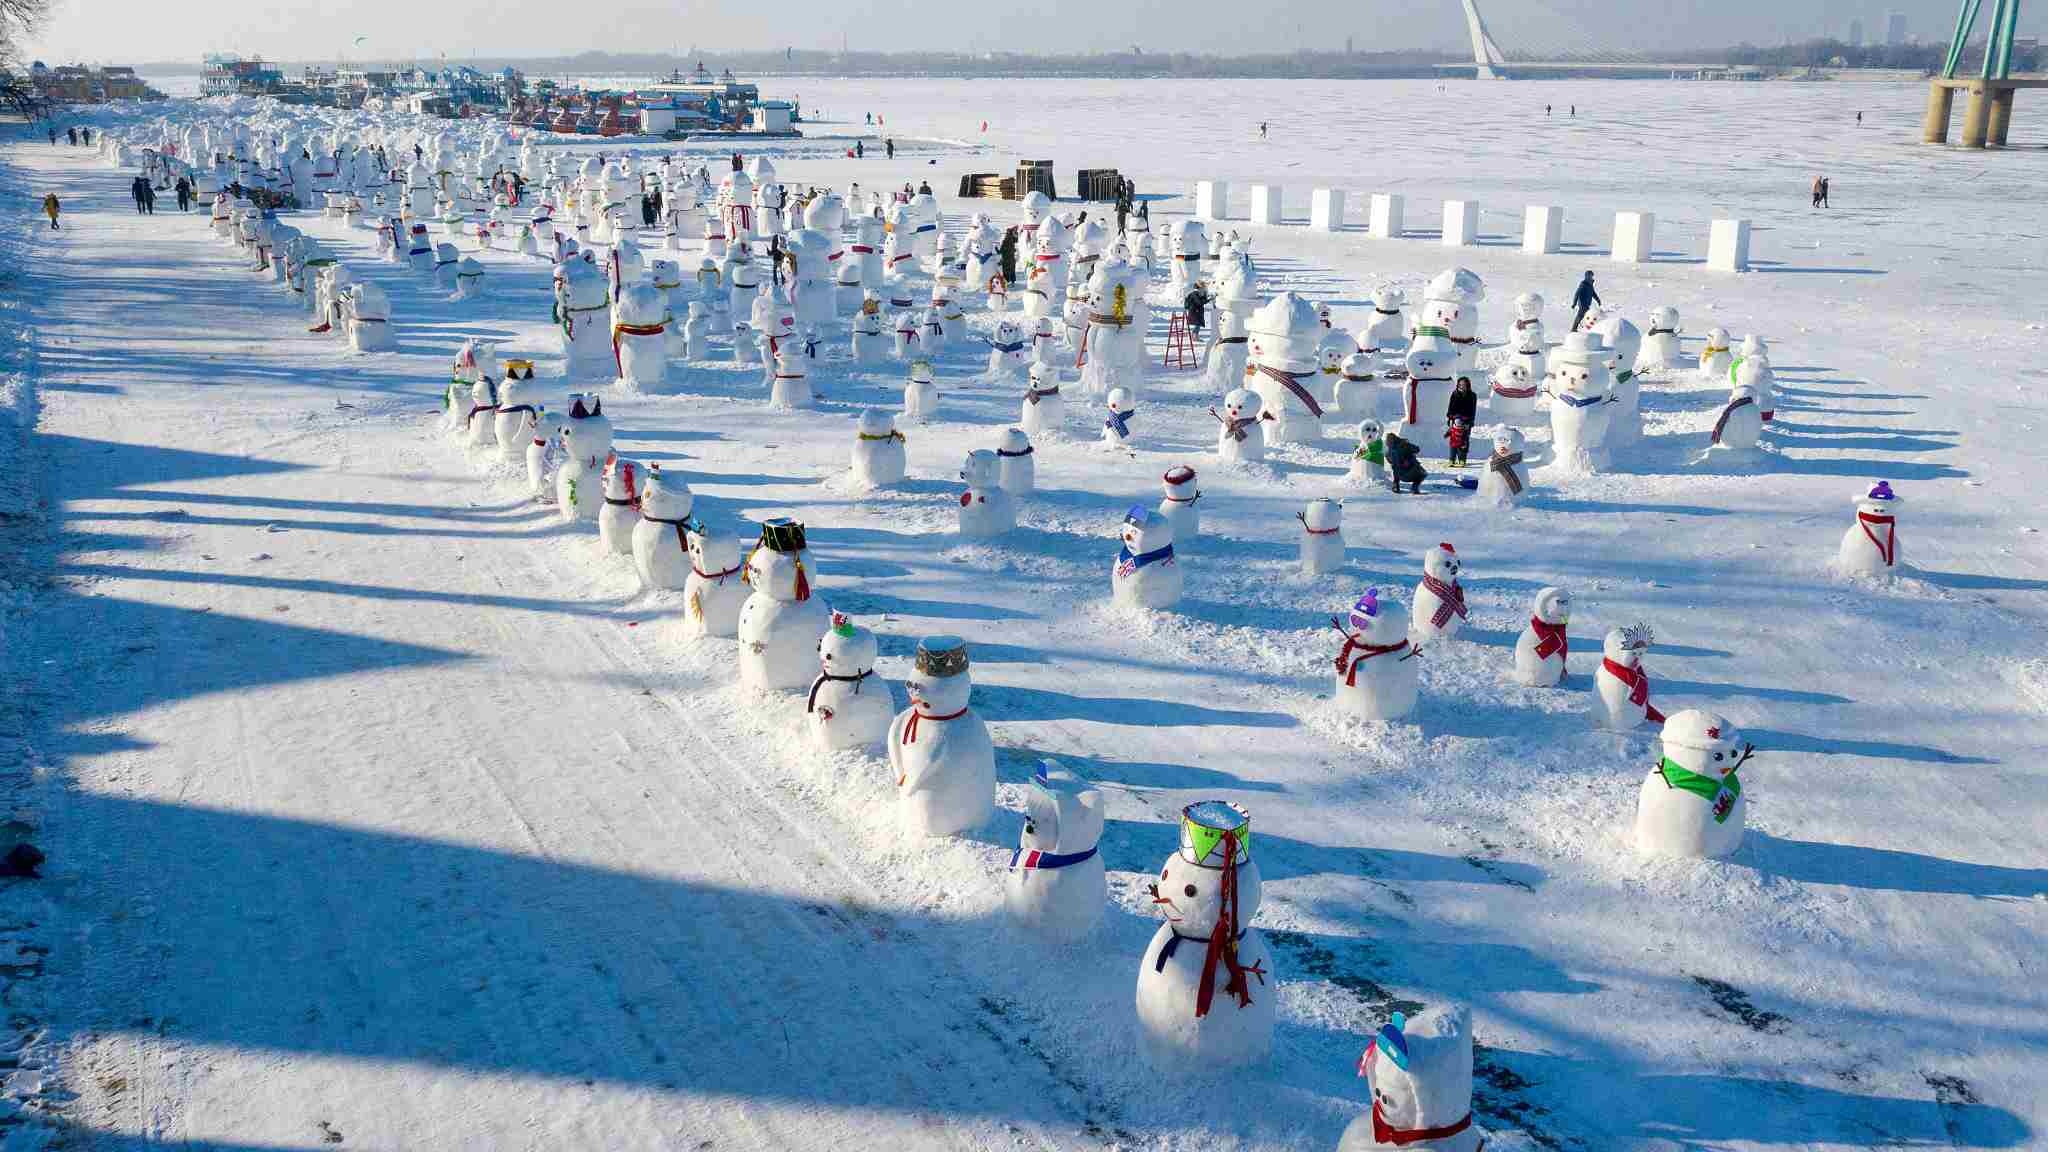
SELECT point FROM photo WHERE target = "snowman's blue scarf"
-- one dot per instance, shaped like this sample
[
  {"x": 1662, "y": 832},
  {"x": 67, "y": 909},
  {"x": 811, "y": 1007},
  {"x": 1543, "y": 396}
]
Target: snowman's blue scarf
[
  {"x": 1575, "y": 402},
  {"x": 1012, "y": 346},
  {"x": 1121, "y": 421},
  {"x": 1127, "y": 562},
  {"x": 1046, "y": 860}
]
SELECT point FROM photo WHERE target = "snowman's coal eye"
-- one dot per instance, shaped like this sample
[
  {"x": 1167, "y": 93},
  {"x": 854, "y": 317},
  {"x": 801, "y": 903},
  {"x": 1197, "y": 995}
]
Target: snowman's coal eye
[
  {"x": 1030, "y": 829},
  {"x": 1162, "y": 873},
  {"x": 1718, "y": 756},
  {"x": 1190, "y": 889}
]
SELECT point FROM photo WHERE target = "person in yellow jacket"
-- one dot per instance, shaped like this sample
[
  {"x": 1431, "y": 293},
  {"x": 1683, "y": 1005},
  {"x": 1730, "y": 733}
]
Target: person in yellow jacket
[{"x": 50, "y": 208}]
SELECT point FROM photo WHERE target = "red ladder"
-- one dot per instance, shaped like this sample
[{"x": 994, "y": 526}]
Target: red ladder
[{"x": 1180, "y": 344}]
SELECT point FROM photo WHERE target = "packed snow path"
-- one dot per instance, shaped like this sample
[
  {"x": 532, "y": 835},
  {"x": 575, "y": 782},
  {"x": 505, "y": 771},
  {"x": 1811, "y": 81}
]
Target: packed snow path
[{"x": 384, "y": 807}]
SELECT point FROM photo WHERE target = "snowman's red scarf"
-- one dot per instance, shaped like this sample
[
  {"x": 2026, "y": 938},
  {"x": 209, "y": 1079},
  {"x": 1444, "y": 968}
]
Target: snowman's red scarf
[
  {"x": 1223, "y": 942},
  {"x": 1638, "y": 682},
  {"x": 1887, "y": 547},
  {"x": 1314, "y": 531},
  {"x": 1414, "y": 413},
  {"x": 1365, "y": 652},
  {"x": 632, "y": 499},
  {"x": 1292, "y": 383},
  {"x": 1450, "y": 598},
  {"x": 1550, "y": 638},
  {"x": 910, "y": 726},
  {"x": 1723, "y": 421}
]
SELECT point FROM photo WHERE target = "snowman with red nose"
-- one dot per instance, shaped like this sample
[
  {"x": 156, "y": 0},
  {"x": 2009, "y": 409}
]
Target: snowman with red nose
[{"x": 1206, "y": 987}]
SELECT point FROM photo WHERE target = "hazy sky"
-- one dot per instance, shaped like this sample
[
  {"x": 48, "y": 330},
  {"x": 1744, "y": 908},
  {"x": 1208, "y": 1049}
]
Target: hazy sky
[{"x": 128, "y": 31}]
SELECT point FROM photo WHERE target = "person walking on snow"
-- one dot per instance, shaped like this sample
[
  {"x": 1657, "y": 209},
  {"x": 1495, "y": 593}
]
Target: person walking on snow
[
  {"x": 50, "y": 207},
  {"x": 1583, "y": 300},
  {"x": 148, "y": 198},
  {"x": 135, "y": 189},
  {"x": 1823, "y": 191},
  {"x": 1816, "y": 192},
  {"x": 889, "y": 143},
  {"x": 73, "y": 133},
  {"x": 184, "y": 194}
]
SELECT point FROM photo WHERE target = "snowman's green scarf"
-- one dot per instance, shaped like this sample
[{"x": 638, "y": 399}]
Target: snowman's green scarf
[
  {"x": 1372, "y": 450},
  {"x": 1707, "y": 788}
]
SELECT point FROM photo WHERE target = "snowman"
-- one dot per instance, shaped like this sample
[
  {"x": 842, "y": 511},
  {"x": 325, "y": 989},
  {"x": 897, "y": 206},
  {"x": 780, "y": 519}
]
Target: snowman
[
  {"x": 1505, "y": 476},
  {"x": 985, "y": 509},
  {"x": 1386, "y": 328},
  {"x": 864, "y": 255},
  {"x": 810, "y": 293},
  {"x": 1621, "y": 685},
  {"x": 1450, "y": 312},
  {"x": 1369, "y": 460},
  {"x": 1056, "y": 886},
  {"x": 1740, "y": 423},
  {"x": 781, "y": 621},
  {"x": 517, "y": 421},
  {"x": 920, "y": 395},
  {"x": 586, "y": 445},
  {"x": 848, "y": 705},
  {"x": 445, "y": 260},
  {"x": 1045, "y": 345},
  {"x": 469, "y": 279},
  {"x": 1377, "y": 673},
  {"x": 944, "y": 760},
  {"x": 1043, "y": 411},
  {"x": 1754, "y": 373},
  {"x": 1420, "y": 1072},
  {"x": 1189, "y": 243},
  {"x": 1322, "y": 537},
  {"x": 1116, "y": 428},
  {"x": 905, "y": 326},
  {"x": 1691, "y": 803},
  {"x": 1177, "y": 507},
  {"x": 749, "y": 347},
  {"x": 1624, "y": 342},
  {"x": 1660, "y": 343},
  {"x": 1137, "y": 241},
  {"x": 1871, "y": 545},
  {"x": 1008, "y": 351},
  {"x": 1236, "y": 301},
  {"x": 1049, "y": 267},
  {"x": 640, "y": 340},
  {"x": 480, "y": 424},
  {"x": 1112, "y": 352},
  {"x": 1205, "y": 995},
  {"x": 666, "y": 277},
  {"x": 1439, "y": 598},
  {"x": 715, "y": 592},
  {"x": 1145, "y": 574},
  {"x": 1715, "y": 358},
  {"x": 1528, "y": 314},
  {"x": 580, "y": 308},
  {"x": 1243, "y": 434},
  {"x": 870, "y": 347},
  {"x": 899, "y": 252},
  {"x": 659, "y": 541},
  {"x": 878, "y": 450},
  {"x": 621, "y": 511},
  {"x": 1358, "y": 386},
  {"x": 1542, "y": 648},
  {"x": 368, "y": 313},
  {"x": 1284, "y": 358},
  {"x": 1579, "y": 385},
  {"x": 982, "y": 251},
  {"x": 541, "y": 455},
  {"x": 1016, "y": 463},
  {"x": 696, "y": 331},
  {"x": 789, "y": 386},
  {"x": 1511, "y": 396},
  {"x": 1426, "y": 394}
]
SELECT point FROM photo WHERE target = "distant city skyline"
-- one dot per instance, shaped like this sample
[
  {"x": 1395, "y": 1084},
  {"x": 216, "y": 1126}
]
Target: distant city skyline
[{"x": 128, "y": 31}]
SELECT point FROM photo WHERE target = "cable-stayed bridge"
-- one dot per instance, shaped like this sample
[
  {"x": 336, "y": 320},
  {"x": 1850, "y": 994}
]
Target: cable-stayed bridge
[{"x": 1490, "y": 62}]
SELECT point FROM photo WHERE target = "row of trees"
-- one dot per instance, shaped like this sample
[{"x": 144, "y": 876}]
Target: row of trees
[{"x": 18, "y": 19}]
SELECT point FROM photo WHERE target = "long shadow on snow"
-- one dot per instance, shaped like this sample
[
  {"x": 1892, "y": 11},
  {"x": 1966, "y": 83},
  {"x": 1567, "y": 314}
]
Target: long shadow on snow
[
  {"x": 1885, "y": 869},
  {"x": 1778, "y": 741},
  {"x": 1003, "y": 702}
]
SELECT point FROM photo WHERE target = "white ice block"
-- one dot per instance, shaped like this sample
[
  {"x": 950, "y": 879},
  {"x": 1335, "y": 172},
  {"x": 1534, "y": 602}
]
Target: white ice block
[
  {"x": 1386, "y": 216},
  {"x": 1542, "y": 229},
  {"x": 1461, "y": 223},
  {"x": 1326, "y": 210},
  {"x": 1633, "y": 233},
  {"x": 1211, "y": 198},
  {"x": 1265, "y": 203},
  {"x": 1728, "y": 246}
]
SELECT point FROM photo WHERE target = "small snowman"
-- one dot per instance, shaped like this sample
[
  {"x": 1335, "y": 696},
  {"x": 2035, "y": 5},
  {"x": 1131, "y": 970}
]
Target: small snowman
[
  {"x": 789, "y": 385},
  {"x": 1358, "y": 385},
  {"x": 1377, "y": 673},
  {"x": 848, "y": 705},
  {"x": 878, "y": 449},
  {"x": 1386, "y": 328},
  {"x": 1439, "y": 598},
  {"x": 586, "y": 445},
  {"x": 1542, "y": 649},
  {"x": 1532, "y": 352},
  {"x": 1511, "y": 393},
  {"x": 1505, "y": 477},
  {"x": 869, "y": 345},
  {"x": 1009, "y": 353},
  {"x": 1116, "y": 429},
  {"x": 1205, "y": 994},
  {"x": 1056, "y": 886},
  {"x": 1016, "y": 463},
  {"x": 1369, "y": 459},
  {"x": 514, "y": 426},
  {"x": 944, "y": 760},
  {"x": 1621, "y": 685},
  {"x": 1624, "y": 342},
  {"x": 1871, "y": 545},
  {"x": 1322, "y": 537},
  {"x": 781, "y": 621},
  {"x": 985, "y": 508},
  {"x": 1716, "y": 356},
  {"x": 905, "y": 326},
  {"x": 1145, "y": 574},
  {"x": 1740, "y": 423},
  {"x": 621, "y": 510},
  {"x": 716, "y": 589},
  {"x": 696, "y": 331},
  {"x": 660, "y": 544},
  {"x": 1043, "y": 410},
  {"x": 920, "y": 395},
  {"x": 1177, "y": 506},
  {"x": 1754, "y": 373},
  {"x": 1243, "y": 435},
  {"x": 1691, "y": 803},
  {"x": 748, "y": 345},
  {"x": 1660, "y": 343},
  {"x": 1420, "y": 1072},
  {"x": 1528, "y": 314},
  {"x": 540, "y": 450},
  {"x": 1045, "y": 345},
  {"x": 480, "y": 425}
]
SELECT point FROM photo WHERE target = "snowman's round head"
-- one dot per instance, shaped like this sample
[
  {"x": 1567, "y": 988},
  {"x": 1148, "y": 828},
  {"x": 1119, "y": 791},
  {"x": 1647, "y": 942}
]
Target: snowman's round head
[
  {"x": 1580, "y": 366},
  {"x": 876, "y": 422},
  {"x": 1285, "y": 334},
  {"x": 1007, "y": 332},
  {"x": 846, "y": 648},
  {"x": 641, "y": 305},
  {"x": 1377, "y": 620},
  {"x": 1754, "y": 345},
  {"x": 622, "y": 477},
  {"x": 1752, "y": 372},
  {"x": 1508, "y": 440},
  {"x": 1553, "y": 606},
  {"x": 920, "y": 371},
  {"x": 1062, "y": 812},
  {"x": 1388, "y": 298},
  {"x": 980, "y": 469},
  {"x": 1440, "y": 313},
  {"x": 698, "y": 314},
  {"x": 1242, "y": 404},
  {"x": 370, "y": 301},
  {"x": 940, "y": 678},
  {"x": 1529, "y": 306},
  {"x": 1626, "y": 645},
  {"x": 665, "y": 497},
  {"x": 1717, "y": 337},
  {"x": 1529, "y": 340},
  {"x": 1333, "y": 358},
  {"x": 1043, "y": 375},
  {"x": 446, "y": 253},
  {"x": 1511, "y": 374},
  {"x": 1190, "y": 239},
  {"x": 1013, "y": 442},
  {"x": 664, "y": 273},
  {"x": 1043, "y": 329},
  {"x": 711, "y": 554},
  {"x": 1428, "y": 358},
  {"x": 744, "y": 276},
  {"x": 1665, "y": 318},
  {"x": 1120, "y": 401},
  {"x": 1146, "y": 531},
  {"x": 1179, "y": 482},
  {"x": 1215, "y": 838},
  {"x": 1369, "y": 431},
  {"x": 1704, "y": 743},
  {"x": 1357, "y": 366},
  {"x": 1623, "y": 340},
  {"x": 1442, "y": 562},
  {"x": 1035, "y": 205},
  {"x": 1879, "y": 499},
  {"x": 1420, "y": 1071},
  {"x": 1322, "y": 514},
  {"x": 1460, "y": 284}
]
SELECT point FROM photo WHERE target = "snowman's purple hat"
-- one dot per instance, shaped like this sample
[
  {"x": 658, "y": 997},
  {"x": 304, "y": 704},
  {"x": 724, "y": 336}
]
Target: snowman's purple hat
[
  {"x": 1366, "y": 610},
  {"x": 1882, "y": 490}
]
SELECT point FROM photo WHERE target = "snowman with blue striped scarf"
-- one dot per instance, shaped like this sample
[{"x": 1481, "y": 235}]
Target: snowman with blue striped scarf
[
  {"x": 1145, "y": 574},
  {"x": 1056, "y": 886}
]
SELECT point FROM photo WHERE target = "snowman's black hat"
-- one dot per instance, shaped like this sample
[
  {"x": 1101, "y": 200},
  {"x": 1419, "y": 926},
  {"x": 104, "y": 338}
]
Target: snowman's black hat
[{"x": 783, "y": 534}]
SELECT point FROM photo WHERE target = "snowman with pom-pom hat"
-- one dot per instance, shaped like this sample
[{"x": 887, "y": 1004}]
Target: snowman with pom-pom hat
[
  {"x": 848, "y": 706},
  {"x": 660, "y": 540},
  {"x": 1420, "y": 1072},
  {"x": 1439, "y": 598},
  {"x": 1378, "y": 675},
  {"x": 1542, "y": 650},
  {"x": 1145, "y": 573},
  {"x": 782, "y": 619},
  {"x": 1056, "y": 886},
  {"x": 940, "y": 748},
  {"x": 1206, "y": 986},
  {"x": 1621, "y": 685},
  {"x": 1691, "y": 803},
  {"x": 1871, "y": 545}
]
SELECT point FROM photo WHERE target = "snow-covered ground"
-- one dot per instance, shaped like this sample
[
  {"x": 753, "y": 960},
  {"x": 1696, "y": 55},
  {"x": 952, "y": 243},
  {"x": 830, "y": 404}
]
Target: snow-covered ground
[{"x": 383, "y": 811}]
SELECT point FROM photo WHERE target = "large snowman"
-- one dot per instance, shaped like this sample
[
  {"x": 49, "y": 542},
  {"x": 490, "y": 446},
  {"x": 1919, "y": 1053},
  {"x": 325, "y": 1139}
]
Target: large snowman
[
  {"x": 782, "y": 620},
  {"x": 1206, "y": 987},
  {"x": 1284, "y": 335},
  {"x": 583, "y": 308},
  {"x": 1450, "y": 311},
  {"x": 1579, "y": 387},
  {"x": 1112, "y": 353}
]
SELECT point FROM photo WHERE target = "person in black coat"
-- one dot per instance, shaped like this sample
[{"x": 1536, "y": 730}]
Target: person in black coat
[
  {"x": 1464, "y": 402},
  {"x": 1583, "y": 299},
  {"x": 1404, "y": 462},
  {"x": 1006, "y": 254}
]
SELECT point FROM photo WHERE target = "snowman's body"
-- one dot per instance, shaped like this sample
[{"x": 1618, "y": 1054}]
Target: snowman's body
[
  {"x": 1358, "y": 387},
  {"x": 586, "y": 445},
  {"x": 920, "y": 394},
  {"x": 1740, "y": 424},
  {"x": 780, "y": 623},
  {"x": 1224, "y": 368},
  {"x": 1579, "y": 385},
  {"x": 1369, "y": 459},
  {"x": 1543, "y": 649},
  {"x": 1016, "y": 463},
  {"x": 985, "y": 509},
  {"x": 1117, "y": 427},
  {"x": 1321, "y": 546},
  {"x": 368, "y": 312},
  {"x": 1421, "y": 1090},
  {"x": 1660, "y": 343},
  {"x": 811, "y": 294},
  {"x": 1113, "y": 344},
  {"x": 1754, "y": 373},
  {"x": 1009, "y": 352},
  {"x": 1691, "y": 803},
  {"x": 1242, "y": 435},
  {"x": 715, "y": 590},
  {"x": 1871, "y": 545},
  {"x": 480, "y": 424},
  {"x": 870, "y": 346},
  {"x": 1145, "y": 573},
  {"x": 1056, "y": 886},
  {"x": 1378, "y": 675},
  {"x": 1503, "y": 478},
  {"x": 1621, "y": 686},
  {"x": 1177, "y": 1030},
  {"x": 940, "y": 749},
  {"x": 1284, "y": 351},
  {"x": 1426, "y": 394},
  {"x": 848, "y": 706},
  {"x": 1439, "y": 598},
  {"x": 516, "y": 422},
  {"x": 1044, "y": 410},
  {"x": 620, "y": 513},
  {"x": 1188, "y": 244},
  {"x": 1178, "y": 506},
  {"x": 789, "y": 384},
  {"x": 878, "y": 450},
  {"x": 640, "y": 339},
  {"x": 696, "y": 331},
  {"x": 660, "y": 539},
  {"x": 583, "y": 310},
  {"x": 1624, "y": 343}
]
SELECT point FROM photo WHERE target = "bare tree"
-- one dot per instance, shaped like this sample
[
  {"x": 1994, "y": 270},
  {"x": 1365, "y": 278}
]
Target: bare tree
[{"x": 19, "y": 18}]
